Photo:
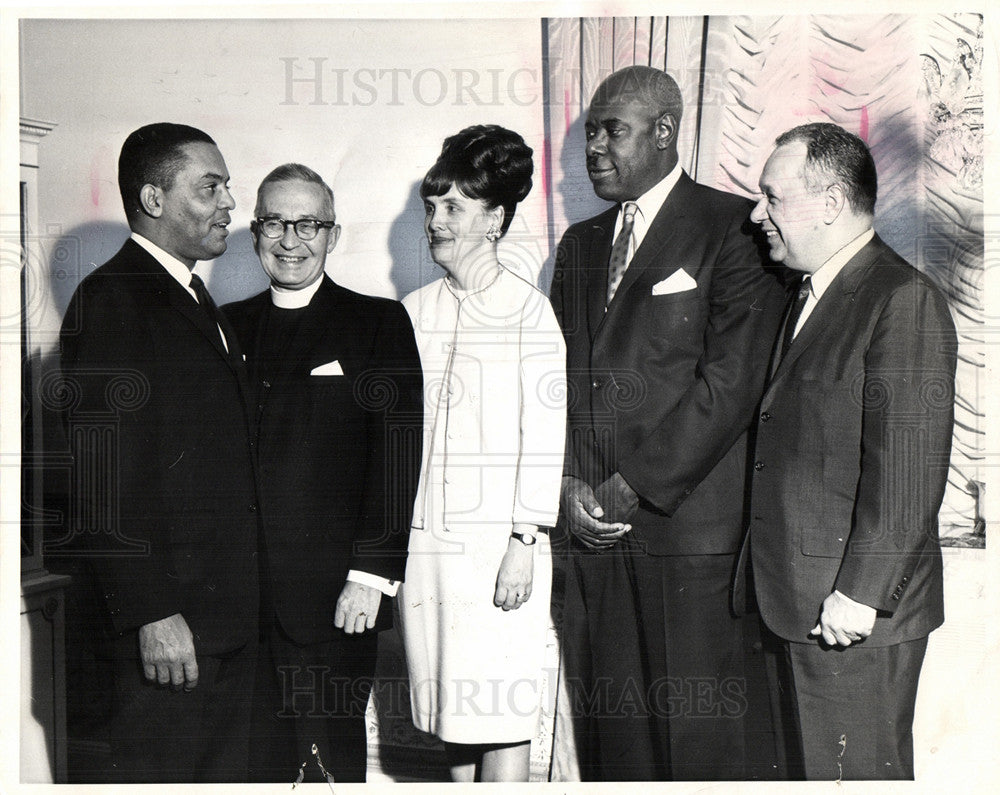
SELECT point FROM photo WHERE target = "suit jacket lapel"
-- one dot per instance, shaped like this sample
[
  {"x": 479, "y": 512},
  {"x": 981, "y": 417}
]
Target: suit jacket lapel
[
  {"x": 180, "y": 300},
  {"x": 660, "y": 233},
  {"x": 597, "y": 274},
  {"x": 659, "y": 236},
  {"x": 830, "y": 307}
]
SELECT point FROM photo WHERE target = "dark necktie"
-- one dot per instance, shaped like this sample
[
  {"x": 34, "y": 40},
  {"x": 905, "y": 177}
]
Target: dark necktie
[
  {"x": 795, "y": 308},
  {"x": 619, "y": 251},
  {"x": 208, "y": 307}
]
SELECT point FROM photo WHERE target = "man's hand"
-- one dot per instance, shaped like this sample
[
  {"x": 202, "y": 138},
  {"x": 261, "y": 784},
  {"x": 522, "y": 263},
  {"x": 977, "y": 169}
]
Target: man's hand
[
  {"x": 357, "y": 608},
  {"x": 166, "y": 648},
  {"x": 617, "y": 499},
  {"x": 583, "y": 514},
  {"x": 844, "y": 621}
]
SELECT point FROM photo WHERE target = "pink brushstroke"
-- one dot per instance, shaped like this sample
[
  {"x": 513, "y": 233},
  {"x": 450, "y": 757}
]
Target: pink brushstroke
[
  {"x": 863, "y": 131},
  {"x": 566, "y": 110}
]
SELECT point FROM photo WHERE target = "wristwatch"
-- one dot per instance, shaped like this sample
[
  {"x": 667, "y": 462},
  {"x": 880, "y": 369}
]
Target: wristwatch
[{"x": 525, "y": 538}]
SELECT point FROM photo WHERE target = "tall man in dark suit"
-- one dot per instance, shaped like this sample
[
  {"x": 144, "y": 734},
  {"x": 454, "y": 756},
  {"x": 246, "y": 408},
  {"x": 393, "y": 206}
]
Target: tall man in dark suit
[
  {"x": 668, "y": 315},
  {"x": 337, "y": 428},
  {"x": 851, "y": 458},
  {"x": 164, "y": 480}
]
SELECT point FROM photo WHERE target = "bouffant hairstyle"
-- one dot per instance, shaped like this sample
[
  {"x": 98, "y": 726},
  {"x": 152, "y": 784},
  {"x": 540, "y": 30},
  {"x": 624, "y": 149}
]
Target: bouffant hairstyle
[
  {"x": 153, "y": 155},
  {"x": 485, "y": 162}
]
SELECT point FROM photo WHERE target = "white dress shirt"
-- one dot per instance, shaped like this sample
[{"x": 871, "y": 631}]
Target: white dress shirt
[
  {"x": 177, "y": 269},
  {"x": 828, "y": 271},
  {"x": 647, "y": 206}
]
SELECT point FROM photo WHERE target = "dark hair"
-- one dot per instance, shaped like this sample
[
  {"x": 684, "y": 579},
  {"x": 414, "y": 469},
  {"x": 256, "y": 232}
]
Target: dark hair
[
  {"x": 832, "y": 152},
  {"x": 485, "y": 162},
  {"x": 291, "y": 172},
  {"x": 152, "y": 155}
]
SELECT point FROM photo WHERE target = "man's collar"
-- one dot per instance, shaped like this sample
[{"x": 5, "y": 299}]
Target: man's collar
[
  {"x": 652, "y": 200},
  {"x": 828, "y": 271},
  {"x": 283, "y": 298},
  {"x": 172, "y": 265}
]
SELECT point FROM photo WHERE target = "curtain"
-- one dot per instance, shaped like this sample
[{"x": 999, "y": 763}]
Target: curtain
[{"x": 909, "y": 85}]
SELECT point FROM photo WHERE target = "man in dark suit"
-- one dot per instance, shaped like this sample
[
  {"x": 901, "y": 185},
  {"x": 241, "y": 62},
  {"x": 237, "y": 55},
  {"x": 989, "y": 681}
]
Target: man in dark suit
[
  {"x": 668, "y": 315},
  {"x": 164, "y": 480},
  {"x": 850, "y": 463},
  {"x": 337, "y": 428}
]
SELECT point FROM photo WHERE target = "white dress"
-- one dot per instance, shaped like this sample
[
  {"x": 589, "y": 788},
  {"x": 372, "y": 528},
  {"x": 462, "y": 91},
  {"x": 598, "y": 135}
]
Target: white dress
[{"x": 495, "y": 393}]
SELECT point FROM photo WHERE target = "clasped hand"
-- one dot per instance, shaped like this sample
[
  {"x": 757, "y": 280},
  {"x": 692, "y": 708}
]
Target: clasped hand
[
  {"x": 357, "y": 607},
  {"x": 166, "y": 649},
  {"x": 843, "y": 621},
  {"x": 585, "y": 510}
]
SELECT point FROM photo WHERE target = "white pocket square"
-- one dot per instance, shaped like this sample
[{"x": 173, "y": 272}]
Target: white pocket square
[
  {"x": 676, "y": 282},
  {"x": 330, "y": 368}
]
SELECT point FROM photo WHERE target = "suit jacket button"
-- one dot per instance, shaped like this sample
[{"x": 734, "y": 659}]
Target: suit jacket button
[
  {"x": 597, "y": 383},
  {"x": 765, "y": 416},
  {"x": 267, "y": 384},
  {"x": 253, "y": 507},
  {"x": 758, "y": 465}
]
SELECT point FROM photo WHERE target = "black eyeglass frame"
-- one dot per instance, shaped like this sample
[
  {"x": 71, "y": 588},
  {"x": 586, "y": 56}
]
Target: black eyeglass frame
[{"x": 312, "y": 224}]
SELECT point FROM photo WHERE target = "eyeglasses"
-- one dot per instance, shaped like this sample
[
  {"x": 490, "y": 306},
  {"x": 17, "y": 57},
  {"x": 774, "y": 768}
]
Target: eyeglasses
[{"x": 305, "y": 228}]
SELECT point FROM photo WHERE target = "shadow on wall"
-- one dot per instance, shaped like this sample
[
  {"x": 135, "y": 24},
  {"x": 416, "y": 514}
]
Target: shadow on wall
[
  {"x": 408, "y": 247},
  {"x": 73, "y": 256},
  {"x": 579, "y": 200}
]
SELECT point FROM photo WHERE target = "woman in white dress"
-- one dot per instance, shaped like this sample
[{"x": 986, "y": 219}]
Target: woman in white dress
[{"x": 475, "y": 601}]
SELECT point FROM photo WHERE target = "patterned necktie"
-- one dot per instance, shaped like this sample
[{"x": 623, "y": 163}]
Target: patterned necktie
[
  {"x": 794, "y": 313},
  {"x": 208, "y": 306},
  {"x": 619, "y": 251}
]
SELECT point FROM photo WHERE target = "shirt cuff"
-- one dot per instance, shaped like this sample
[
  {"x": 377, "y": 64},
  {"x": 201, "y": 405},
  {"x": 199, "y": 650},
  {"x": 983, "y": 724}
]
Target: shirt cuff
[{"x": 388, "y": 587}]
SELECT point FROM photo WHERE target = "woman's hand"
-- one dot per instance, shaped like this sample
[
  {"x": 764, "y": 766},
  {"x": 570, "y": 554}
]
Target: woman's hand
[{"x": 514, "y": 577}]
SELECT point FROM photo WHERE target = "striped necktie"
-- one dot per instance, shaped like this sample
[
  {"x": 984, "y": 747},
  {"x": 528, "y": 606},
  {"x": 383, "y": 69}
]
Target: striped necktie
[{"x": 619, "y": 251}]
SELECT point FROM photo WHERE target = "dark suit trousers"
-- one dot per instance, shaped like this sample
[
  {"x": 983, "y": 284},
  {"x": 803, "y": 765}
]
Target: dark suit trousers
[
  {"x": 665, "y": 694},
  {"x": 311, "y": 694},
  {"x": 854, "y": 708},
  {"x": 158, "y": 734}
]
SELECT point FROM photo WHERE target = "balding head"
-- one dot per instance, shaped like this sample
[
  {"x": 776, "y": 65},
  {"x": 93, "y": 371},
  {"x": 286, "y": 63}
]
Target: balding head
[
  {"x": 653, "y": 88},
  {"x": 632, "y": 132}
]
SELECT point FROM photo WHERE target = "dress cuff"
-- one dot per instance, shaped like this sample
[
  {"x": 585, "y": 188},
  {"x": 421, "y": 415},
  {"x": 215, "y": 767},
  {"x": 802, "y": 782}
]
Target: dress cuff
[{"x": 388, "y": 587}]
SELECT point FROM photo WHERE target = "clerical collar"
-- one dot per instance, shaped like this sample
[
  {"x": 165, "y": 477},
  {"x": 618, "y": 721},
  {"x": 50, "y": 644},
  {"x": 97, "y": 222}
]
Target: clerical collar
[
  {"x": 170, "y": 263},
  {"x": 283, "y": 298}
]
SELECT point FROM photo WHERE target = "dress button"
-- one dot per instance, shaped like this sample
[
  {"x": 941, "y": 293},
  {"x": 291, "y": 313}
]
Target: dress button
[
  {"x": 253, "y": 507},
  {"x": 267, "y": 385},
  {"x": 765, "y": 416},
  {"x": 758, "y": 465}
]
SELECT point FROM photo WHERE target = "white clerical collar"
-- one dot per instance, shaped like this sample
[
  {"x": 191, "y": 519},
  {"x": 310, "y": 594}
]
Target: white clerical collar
[
  {"x": 828, "y": 271},
  {"x": 651, "y": 201},
  {"x": 283, "y": 298},
  {"x": 170, "y": 263}
]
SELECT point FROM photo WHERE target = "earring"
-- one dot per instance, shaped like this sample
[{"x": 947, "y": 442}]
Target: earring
[{"x": 493, "y": 234}]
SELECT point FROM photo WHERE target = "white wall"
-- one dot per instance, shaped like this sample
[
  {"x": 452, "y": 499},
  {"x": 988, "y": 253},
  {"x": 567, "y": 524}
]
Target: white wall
[{"x": 389, "y": 92}]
